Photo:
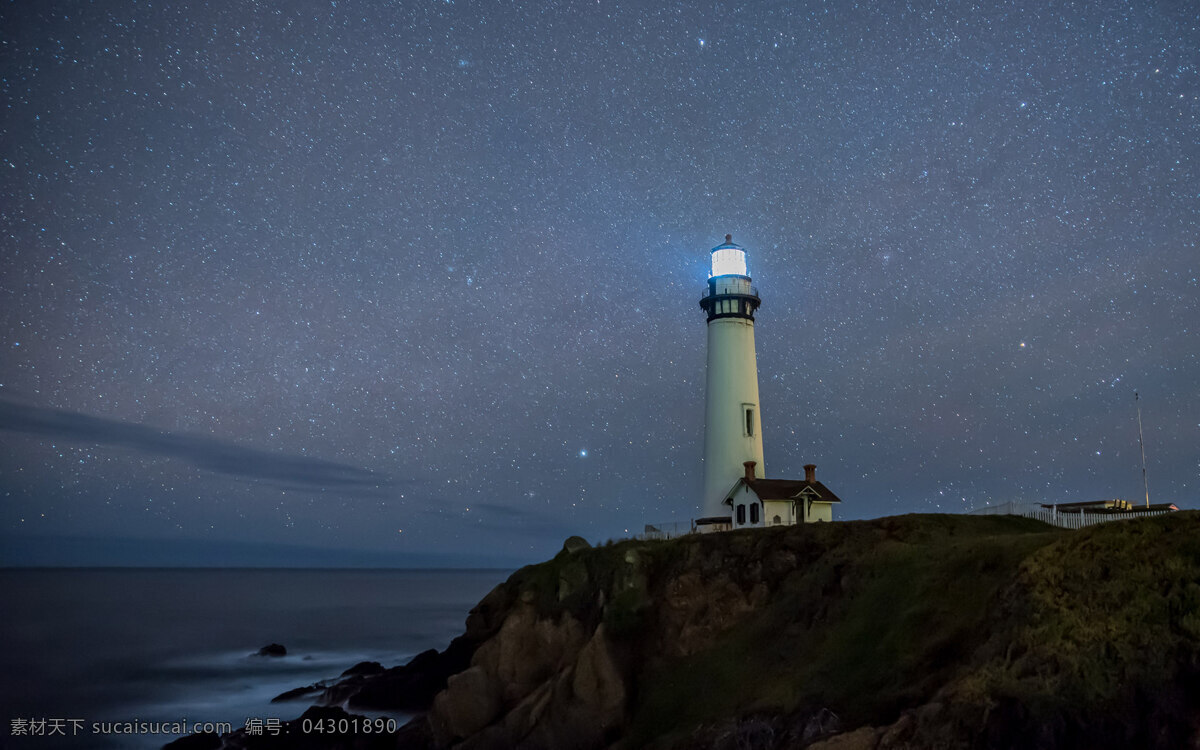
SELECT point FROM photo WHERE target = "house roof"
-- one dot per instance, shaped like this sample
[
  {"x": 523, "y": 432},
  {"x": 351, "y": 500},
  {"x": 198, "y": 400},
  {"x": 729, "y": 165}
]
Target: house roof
[
  {"x": 789, "y": 489},
  {"x": 1109, "y": 506},
  {"x": 1096, "y": 505}
]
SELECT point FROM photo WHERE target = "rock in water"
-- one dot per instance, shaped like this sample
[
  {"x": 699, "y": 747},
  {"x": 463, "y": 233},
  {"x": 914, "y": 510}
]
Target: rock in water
[
  {"x": 364, "y": 668},
  {"x": 298, "y": 693},
  {"x": 272, "y": 649}
]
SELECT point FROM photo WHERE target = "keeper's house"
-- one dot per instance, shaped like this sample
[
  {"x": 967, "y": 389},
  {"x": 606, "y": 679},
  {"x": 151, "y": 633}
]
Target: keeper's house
[{"x": 755, "y": 502}]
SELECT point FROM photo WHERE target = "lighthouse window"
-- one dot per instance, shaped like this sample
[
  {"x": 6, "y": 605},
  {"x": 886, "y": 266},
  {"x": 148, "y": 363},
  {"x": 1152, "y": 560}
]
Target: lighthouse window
[
  {"x": 741, "y": 514},
  {"x": 749, "y": 411},
  {"x": 754, "y": 513}
]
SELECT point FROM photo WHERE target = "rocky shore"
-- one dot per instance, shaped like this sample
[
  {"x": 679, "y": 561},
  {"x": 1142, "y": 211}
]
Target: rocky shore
[{"x": 904, "y": 632}]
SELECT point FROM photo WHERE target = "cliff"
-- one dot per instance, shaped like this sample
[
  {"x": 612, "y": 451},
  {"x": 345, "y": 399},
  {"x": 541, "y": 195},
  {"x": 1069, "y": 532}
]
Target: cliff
[{"x": 904, "y": 632}]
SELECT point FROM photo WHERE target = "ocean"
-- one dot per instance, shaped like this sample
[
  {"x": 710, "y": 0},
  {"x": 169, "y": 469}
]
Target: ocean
[{"x": 83, "y": 648}]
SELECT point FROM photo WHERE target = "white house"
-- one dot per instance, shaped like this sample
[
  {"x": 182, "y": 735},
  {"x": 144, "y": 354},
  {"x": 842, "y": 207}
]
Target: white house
[{"x": 754, "y": 502}]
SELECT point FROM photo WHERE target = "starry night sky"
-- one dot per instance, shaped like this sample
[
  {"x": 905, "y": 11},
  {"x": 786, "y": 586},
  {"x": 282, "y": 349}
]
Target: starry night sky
[{"x": 422, "y": 278}]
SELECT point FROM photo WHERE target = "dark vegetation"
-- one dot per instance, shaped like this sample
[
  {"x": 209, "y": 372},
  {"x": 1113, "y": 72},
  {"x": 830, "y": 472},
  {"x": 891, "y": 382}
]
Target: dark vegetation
[{"x": 876, "y": 619}]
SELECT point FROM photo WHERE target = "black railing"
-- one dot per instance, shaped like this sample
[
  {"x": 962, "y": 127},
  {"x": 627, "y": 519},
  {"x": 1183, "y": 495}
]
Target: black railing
[{"x": 729, "y": 290}]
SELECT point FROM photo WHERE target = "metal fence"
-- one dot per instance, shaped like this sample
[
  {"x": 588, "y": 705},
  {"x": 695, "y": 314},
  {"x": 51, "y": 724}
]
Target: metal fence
[
  {"x": 1065, "y": 519},
  {"x": 667, "y": 530}
]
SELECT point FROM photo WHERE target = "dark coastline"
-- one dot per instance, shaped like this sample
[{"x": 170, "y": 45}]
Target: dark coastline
[
  {"x": 902, "y": 633},
  {"x": 164, "y": 644}
]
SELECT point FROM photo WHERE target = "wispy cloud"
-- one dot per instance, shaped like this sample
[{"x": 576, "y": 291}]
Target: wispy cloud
[
  {"x": 518, "y": 520},
  {"x": 200, "y": 451}
]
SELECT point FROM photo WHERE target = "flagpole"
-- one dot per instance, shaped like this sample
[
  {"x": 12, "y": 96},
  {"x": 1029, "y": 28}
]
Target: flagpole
[{"x": 1142, "y": 445}]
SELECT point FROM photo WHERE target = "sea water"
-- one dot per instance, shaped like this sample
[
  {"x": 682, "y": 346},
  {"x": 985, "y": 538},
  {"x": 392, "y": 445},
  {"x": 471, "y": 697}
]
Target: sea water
[{"x": 83, "y": 648}]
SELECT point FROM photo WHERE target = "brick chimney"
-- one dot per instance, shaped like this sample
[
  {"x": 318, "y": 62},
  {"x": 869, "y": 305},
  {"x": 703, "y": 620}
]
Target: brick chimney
[
  {"x": 749, "y": 469},
  {"x": 810, "y": 472}
]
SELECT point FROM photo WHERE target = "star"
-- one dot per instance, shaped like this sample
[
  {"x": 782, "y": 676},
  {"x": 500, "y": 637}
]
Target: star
[{"x": 291, "y": 259}]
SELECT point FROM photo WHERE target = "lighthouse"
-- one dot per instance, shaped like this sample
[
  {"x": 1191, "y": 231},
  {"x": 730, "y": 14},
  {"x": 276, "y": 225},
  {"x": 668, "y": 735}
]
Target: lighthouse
[{"x": 733, "y": 447}]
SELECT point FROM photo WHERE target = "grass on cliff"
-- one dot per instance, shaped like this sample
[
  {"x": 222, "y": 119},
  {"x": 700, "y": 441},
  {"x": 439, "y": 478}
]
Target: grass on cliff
[
  {"x": 1018, "y": 628},
  {"x": 875, "y": 621},
  {"x": 1107, "y": 627}
]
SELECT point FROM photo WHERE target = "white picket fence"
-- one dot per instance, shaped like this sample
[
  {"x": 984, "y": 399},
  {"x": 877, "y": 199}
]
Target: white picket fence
[{"x": 1072, "y": 519}]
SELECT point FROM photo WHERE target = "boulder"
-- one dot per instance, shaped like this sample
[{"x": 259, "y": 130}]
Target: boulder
[
  {"x": 410, "y": 687},
  {"x": 365, "y": 668},
  {"x": 528, "y": 650},
  {"x": 574, "y": 544},
  {"x": 486, "y": 617},
  {"x": 468, "y": 704},
  {"x": 272, "y": 649},
  {"x": 598, "y": 682}
]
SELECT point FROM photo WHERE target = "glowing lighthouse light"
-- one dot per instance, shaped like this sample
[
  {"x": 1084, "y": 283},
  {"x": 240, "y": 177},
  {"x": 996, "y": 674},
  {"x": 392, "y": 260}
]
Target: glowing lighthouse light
[{"x": 728, "y": 260}]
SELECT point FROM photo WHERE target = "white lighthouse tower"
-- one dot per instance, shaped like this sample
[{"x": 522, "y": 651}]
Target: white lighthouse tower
[{"x": 732, "y": 418}]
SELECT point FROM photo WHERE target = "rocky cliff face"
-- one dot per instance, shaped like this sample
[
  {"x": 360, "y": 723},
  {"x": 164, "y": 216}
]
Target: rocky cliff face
[
  {"x": 908, "y": 632},
  {"x": 562, "y": 670}
]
